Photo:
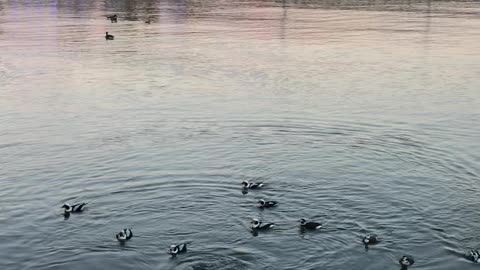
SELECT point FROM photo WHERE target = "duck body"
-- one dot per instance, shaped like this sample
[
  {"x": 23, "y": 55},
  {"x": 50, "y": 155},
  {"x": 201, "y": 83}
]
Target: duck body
[
  {"x": 124, "y": 235},
  {"x": 76, "y": 208},
  {"x": 108, "y": 36},
  {"x": 406, "y": 261},
  {"x": 310, "y": 225},
  {"x": 474, "y": 255},
  {"x": 178, "y": 248},
  {"x": 252, "y": 185},
  {"x": 260, "y": 226},
  {"x": 266, "y": 204}
]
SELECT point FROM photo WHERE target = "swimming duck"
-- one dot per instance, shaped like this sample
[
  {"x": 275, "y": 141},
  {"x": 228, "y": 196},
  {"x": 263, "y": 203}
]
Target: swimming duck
[
  {"x": 76, "y": 208},
  {"x": 474, "y": 255},
  {"x": 266, "y": 204},
  {"x": 178, "y": 248},
  {"x": 258, "y": 225},
  {"x": 309, "y": 225},
  {"x": 124, "y": 235},
  {"x": 247, "y": 185},
  {"x": 108, "y": 37},
  {"x": 370, "y": 239},
  {"x": 406, "y": 261},
  {"x": 113, "y": 16},
  {"x": 148, "y": 21},
  {"x": 113, "y": 20}
]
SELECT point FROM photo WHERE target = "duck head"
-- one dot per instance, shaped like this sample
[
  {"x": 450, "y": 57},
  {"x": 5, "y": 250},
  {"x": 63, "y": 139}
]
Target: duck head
[
  {"x": 405, "y": 262},
  {"x": 245, "y": 184},
  {"x": 255, "y": 223},
  {"x": 302, "y": 221},
  {"x": 173, "y": 250},
  {"x": 121, "y": 235},
  {"x": 261, "y": 203},
  {"x": 67, "y": 208}
]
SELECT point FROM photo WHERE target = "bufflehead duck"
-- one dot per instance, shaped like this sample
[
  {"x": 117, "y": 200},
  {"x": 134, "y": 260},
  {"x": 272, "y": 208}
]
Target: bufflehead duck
[
  {"x": 266, "y": 204},
  {"x": 108, "y": 37},
  {"x": 178, "y": 248},
  {"x": 76, "y": 208},
  {"x": 247, "y": 185},
  {"x": 124, "y": 235},
  {"x": 309, "y": 225},
  {"x": 370, "y": 239},
  {"x": 474, "y": 255},
  {"x": 258, "y": 225},
  {"x": 406, "y": 261}
]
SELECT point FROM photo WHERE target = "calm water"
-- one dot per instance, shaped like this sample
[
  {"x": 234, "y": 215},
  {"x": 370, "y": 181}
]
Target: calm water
[{"x": 363, "y": 115}]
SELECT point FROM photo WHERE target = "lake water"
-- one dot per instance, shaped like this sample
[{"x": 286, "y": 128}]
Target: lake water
[{"x": 362, "y": 115}]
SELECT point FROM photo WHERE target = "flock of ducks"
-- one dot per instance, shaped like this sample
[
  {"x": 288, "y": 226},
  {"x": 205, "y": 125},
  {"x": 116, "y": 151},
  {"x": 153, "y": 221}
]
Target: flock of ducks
[
  {"x": 256, "y": 226},
  {"x": 114, "y": 19}
]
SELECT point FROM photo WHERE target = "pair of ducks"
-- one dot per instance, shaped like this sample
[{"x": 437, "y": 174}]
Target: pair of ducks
[
  {"x": 258, "y": 225},
  {"x": 127, "y": 234},
  {"x": 405, "y": 261}
]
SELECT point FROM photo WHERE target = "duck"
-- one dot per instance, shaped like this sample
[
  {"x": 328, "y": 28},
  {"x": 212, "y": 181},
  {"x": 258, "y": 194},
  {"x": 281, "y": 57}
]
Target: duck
[
  {"x": 147, "y": 21},
  {"x": 108, "y": 37},
  {"x": 259, "y": 226},
  {"x": 114, "y": 19},
  {"x": 370, "y": 239},
  {"x": 252, "y": 185},
  {"x": 178, "y": 248},
  {"x": 76, "y": 208},
  {"x": 309, "y": 225},
  {"x": 406, "y": 261},
  {"x": 266, "y": 204},
  {"x": 474, "y": 255},
  {"x": 113, "y": 16},
  {"x": 124, "y": 235}
]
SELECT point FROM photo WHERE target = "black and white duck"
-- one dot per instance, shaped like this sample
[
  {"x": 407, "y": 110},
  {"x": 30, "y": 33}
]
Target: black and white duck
[
  {"x": 266, "y": 204},
  {"x": 309, "y": 225},
  {"x": 257, "y": 225},
  {"x": 178, "y": 248},
  {"x": 406, "y": 261},
  {"x": 124, "y": 235}
]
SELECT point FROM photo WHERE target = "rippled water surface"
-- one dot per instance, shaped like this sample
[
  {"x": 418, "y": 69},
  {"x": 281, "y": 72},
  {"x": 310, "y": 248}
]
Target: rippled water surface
[{"x": 363, "y": 115}]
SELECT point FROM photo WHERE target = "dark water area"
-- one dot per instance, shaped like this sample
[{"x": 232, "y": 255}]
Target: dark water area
[{"x": 362, "y": 115}]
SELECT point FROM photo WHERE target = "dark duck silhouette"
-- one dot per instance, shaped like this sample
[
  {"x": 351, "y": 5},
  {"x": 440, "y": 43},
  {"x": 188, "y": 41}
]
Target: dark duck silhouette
[
  {"x": 178, "y": 248},
  {"x": 405, "y": 262},
  {"x": 148, "y": 21},
  {"x": 370, "y": 239},
  {"x": 108, "y": 37},
  {"x": 76, "y": 208},
  {"x": 260, "y": 226},
  {"x": 474, "y": 255},
  {"x": 111, "y": 17},
  {"x": 304, "y": 225},
  {"x": 124, "y": 235},
  {"x": 266, "y": 204},
  {"x": 252, "y": 185}
]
